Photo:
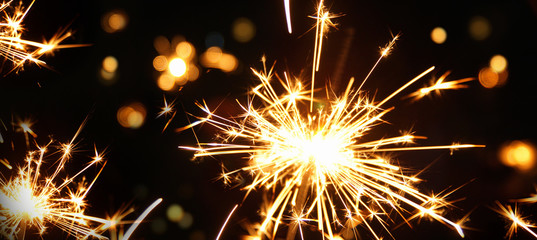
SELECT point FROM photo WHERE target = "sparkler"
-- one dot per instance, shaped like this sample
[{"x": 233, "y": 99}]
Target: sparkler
[
  {"x": 33, "y": 199},
  {"x": 315, "y": 165},
  {"x": 18, "y": 50}
]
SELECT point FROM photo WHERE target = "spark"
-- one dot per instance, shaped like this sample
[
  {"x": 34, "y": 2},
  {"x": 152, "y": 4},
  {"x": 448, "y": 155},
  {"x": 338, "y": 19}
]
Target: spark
[
  {"x": 517, "y": 220},
  {"x": 316, "y": 166},
  {"x": 33, "y": 199},
  {"x": 167, "y": 109},
  {"x": 16, "y": 49},
  {"x": 439, "y": 85}
]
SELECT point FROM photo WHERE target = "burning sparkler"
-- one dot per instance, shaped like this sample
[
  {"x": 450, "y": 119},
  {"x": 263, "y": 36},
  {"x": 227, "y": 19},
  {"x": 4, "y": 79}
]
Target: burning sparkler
[
  {"x": 314, "y": 164},
  {"x": 18, "y": 50},
  {"x": 32, "y": 198}
]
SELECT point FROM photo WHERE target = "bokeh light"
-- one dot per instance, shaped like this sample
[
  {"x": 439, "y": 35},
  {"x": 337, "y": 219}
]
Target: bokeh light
[
  {"x": 177, "y": 67},
  {"x": 110, "y": 64},
  {"x": 109, "y": 68},
  {"x": 438, "y": 35},
  {"x": 132, "y": 115},
  {"x": 498, "y": 63},
  {"x": 214, "y": 57},
  {"x": 518, "y": 154},
  {"x": 166, "y": 82},
  {"x": 185, "y": 50},
  {"x": 489, "y": 78},
  {"x": 114, "y": 21},
  {"x": 175, "y": 213},
  {"x": 160, "y": 63},
  {"x": 479, "y": 28},
  {"x": 243, "y": 30},
  {"x": 186, "y": 221},
  {"x": 162, "y": 45},
  {"x": 176, "y": 62}
]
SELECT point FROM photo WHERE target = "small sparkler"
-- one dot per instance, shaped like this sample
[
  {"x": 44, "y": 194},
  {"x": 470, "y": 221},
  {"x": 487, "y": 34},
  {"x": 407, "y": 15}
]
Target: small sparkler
[
  {"x": 314, "y": 164},
  {"x": 16, "y": 49},
  {"x": 32, "y": 198}
]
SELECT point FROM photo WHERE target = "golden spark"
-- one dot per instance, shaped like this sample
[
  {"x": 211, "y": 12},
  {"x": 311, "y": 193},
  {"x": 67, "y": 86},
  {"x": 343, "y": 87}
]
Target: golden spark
[
  {"x": 438, "y": 86},
  {"x": 516, "y": 220},
  {"x": 16, "y": 49},
  {"x": 315, "y": 165}
]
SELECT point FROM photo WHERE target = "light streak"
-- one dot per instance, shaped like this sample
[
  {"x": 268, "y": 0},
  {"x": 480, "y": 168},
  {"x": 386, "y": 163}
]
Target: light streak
[
  {"x": 287, "y": 7},
  {"x": 316, "y": 166},
  {"x": 225, "y": 222},
  {"x": 141, "y": 218}
]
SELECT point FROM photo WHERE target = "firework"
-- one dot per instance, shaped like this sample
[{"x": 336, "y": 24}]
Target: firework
[
  {"x": 34, "y": 199},
  {"x": 314, "y": 163},
  {"x": 16, "y": 49}
]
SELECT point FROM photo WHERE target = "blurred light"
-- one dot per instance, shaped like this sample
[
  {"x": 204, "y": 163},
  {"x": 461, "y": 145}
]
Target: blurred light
[
  {"x": 193, "y": 72},
  {"x": 174, "y": 213},
  {"x": 490, "y": 78},
  {"x": 114, "y": 21},
  {"x": 162, "y": 45},
  {"x": 228, "y": 63},
  {"x": 177, "y": 67},
  {"x": 132, "y": 115},
  {"x": 185, "y": 50},
  {"x": 479, "y": 28},
  {"x": 110, "y": 64},
  {"x": 518, "y": 154},
  {"x": 159, "y": 226},
  {"x": 215, "y": 58},
  {"x": 186, "y": 221},
  {"x": 498, "y": 63},
  {"x": 438, "y": 35},
  {"x": 212, "y": 56},
  {"x": 160, "y": 63},
  {"x": 243, "y": 30},
  {"x": 166, "y": 82},
  {"x": 108, "y": 70},
  {"x": 214, "y": 39}
]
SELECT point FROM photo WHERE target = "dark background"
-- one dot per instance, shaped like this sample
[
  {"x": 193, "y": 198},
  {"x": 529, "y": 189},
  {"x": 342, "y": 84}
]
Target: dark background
[{"x": 145, "y": 164}]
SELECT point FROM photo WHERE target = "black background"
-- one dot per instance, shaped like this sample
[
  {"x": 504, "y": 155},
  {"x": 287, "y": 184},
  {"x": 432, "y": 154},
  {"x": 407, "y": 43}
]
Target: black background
[{"x": 145, "y": 164}]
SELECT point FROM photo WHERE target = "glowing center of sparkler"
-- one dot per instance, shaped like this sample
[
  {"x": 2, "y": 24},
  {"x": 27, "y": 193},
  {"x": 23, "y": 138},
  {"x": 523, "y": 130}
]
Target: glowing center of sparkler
[
  {"x": 24, "y": 204},
  {"x": 322, "y": 151}
]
